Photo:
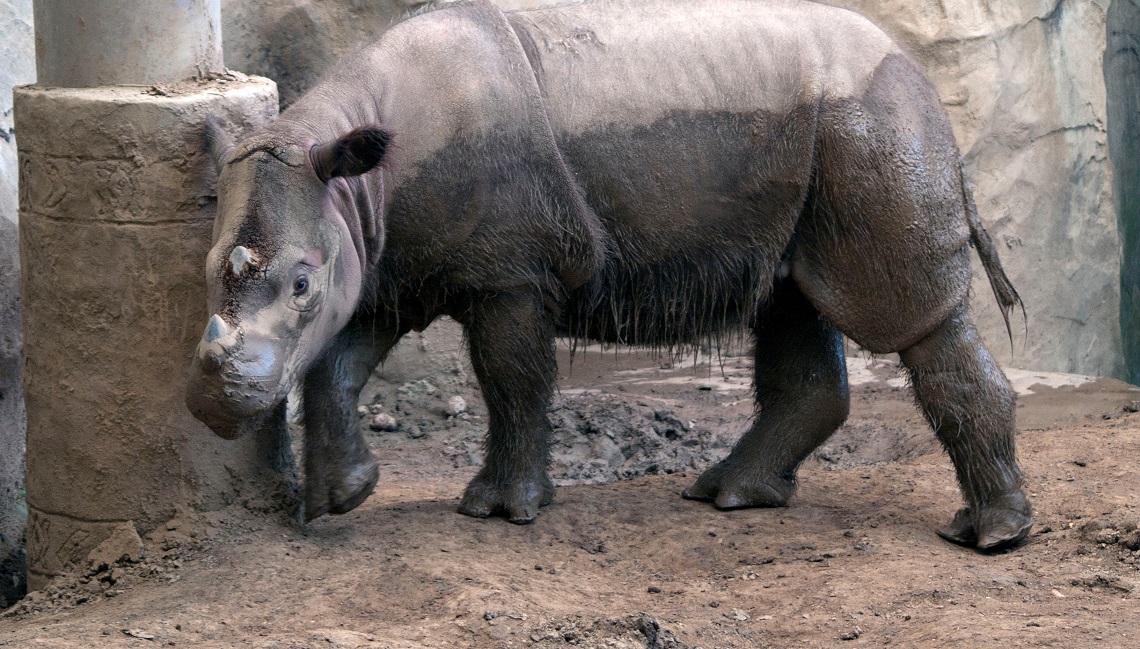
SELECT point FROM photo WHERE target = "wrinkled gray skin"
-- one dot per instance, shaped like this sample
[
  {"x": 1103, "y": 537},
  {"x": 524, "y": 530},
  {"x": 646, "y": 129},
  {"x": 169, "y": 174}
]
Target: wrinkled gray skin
[{"x": 648, "y": 173}]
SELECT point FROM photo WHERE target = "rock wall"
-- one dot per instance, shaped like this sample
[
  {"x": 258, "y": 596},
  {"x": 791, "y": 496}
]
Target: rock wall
[
  {"x": 1022, "y": 83},
  {"x": 1122, "y": 79},
  {"x": 17, "y": 66},
  {"x": 294, "y": 42}
]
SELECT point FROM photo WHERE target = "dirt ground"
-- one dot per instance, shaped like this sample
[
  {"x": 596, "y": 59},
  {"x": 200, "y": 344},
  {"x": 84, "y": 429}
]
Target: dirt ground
[{"x": 620, "y": 560}]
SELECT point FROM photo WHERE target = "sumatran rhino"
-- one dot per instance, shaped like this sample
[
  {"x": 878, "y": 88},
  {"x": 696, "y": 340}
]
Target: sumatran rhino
[{"x": 641, "y": 173}]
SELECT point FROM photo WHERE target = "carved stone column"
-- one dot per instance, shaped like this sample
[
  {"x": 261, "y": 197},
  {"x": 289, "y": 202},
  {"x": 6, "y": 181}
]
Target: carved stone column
[{"x": 116, "y": 212}]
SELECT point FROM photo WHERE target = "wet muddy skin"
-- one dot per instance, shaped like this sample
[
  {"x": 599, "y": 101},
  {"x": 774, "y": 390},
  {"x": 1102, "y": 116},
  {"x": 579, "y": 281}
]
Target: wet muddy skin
[{"x": 801, "y": 204}]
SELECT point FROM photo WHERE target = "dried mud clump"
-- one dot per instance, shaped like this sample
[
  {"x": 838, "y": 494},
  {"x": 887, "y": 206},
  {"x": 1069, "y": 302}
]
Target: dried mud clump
[
  {"x": 98, "y": 580},
  {"x": 636, "y": 631},
  {"x": 1116, "y": 535}
]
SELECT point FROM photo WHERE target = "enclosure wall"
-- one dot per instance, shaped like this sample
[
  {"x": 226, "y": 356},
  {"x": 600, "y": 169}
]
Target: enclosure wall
[{"x": 17, "y": 66}]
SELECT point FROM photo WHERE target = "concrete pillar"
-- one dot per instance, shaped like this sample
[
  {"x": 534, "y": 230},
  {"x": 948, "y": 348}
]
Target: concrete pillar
[
  {"x": 1122, "y": 80},
  {"x": 81, "y": 44},
  {"x": 116, "y": 212}
]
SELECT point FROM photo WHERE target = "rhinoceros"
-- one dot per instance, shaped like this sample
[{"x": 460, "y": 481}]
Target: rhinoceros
[{"x": 638, "y": 173}]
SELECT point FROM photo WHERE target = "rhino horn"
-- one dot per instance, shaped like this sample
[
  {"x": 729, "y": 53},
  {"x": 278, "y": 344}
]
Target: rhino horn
[
  {"x": 240, "y": 260},
  {"x": 216, "y": 329}
]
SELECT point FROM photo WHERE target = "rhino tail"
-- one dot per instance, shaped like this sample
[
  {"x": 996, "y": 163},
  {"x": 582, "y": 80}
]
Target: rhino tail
[{"x": 1006, "y": 294}]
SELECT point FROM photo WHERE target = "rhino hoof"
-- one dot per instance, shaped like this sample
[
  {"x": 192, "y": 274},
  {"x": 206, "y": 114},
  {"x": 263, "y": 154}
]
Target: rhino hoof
[
  {"x": 518, "y": 500},
  {"x": 311, "y": 513},
  {"x": 960, "y": 529},
  {"x": 729, "y": 489},
  {"x": 344, "y": 497},
  {"x": 355, "y": 489},
  {"x": 1000, "y": 525}
]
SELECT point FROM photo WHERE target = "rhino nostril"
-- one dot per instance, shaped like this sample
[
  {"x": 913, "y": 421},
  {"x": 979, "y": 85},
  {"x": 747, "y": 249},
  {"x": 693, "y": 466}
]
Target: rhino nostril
[{"x": 211, "y": 362}]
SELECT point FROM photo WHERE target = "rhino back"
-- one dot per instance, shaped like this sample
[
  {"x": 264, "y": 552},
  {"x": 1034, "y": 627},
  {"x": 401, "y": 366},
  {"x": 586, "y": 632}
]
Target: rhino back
[
  {"x": 631, "y": 63},
  {"x": 691, "y": 129},
  {"x": 678, "y": 117}
]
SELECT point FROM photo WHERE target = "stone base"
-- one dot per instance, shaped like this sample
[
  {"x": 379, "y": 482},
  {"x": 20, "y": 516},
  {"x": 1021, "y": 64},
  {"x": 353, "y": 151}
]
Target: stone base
[{"x": 116, "y": 212}]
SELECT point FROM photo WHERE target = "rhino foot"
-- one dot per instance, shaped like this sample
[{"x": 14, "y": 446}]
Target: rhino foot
[
  {"x": 728, "y": 487},
  {"x": 345, "y": 494},
  {"x": 518, "y": 499},
  {"x": 1001, "y": 524}
]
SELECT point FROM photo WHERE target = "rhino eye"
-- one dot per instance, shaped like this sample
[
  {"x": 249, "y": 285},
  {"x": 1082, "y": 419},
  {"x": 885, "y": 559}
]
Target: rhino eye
[{"x": 300, "y": 285}]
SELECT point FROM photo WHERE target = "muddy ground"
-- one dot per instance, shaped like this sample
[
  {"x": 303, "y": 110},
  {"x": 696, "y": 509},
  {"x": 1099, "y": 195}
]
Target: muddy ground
[{"x": 620, "y": 560}]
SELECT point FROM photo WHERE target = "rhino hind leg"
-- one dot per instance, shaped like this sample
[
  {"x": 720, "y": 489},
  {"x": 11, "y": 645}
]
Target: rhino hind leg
[
  {"x": 512, "y": 352},
  {"x": 801, "y": 399},
  {"x": 340, "y": 471},
  {"x": 970, "y": 404}
]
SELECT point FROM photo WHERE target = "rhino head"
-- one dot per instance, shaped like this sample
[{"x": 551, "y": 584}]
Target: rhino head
[{"x": 286, "y": 269}]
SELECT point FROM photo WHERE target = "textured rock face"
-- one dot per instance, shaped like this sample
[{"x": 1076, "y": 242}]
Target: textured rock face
[
  {"x": 294, "y": 42},
  {"x": 17, "y": 66},
  {"x": 1021, "y": 82}
]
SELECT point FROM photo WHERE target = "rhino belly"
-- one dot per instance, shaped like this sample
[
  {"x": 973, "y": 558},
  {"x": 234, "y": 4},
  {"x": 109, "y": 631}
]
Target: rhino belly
[{"x": 700, "y": 207}]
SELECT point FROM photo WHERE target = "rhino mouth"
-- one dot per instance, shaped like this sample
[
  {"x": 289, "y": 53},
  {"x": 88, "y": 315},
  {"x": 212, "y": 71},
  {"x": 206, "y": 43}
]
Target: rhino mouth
[
  {"x": 228, "y": 407},
  {"x": 233, "y": 393},
  {"x": 225, "y": 425}
]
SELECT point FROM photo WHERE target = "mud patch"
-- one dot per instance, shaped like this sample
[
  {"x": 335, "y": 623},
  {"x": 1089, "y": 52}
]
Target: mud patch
[
  {"x": 611, "y": 633},
  {"x": 603, "y": 438},
  {"x": 630, "y": 414},
  {"x": 854, "y": 558}
]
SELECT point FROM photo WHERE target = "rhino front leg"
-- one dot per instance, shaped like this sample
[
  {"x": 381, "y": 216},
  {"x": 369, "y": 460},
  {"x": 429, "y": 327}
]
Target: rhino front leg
[
  {"x": 340, "y": 472},
  {"x": 801, "y": 398},
  {"x": 970, "y": 404},
  {"x": 512, "y": 352}
]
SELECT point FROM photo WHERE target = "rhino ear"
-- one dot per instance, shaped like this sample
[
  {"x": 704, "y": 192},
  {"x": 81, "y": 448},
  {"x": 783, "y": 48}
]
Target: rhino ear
[
  {"x": 218, "y": 141},
  {"x": 352, "y": 154}
]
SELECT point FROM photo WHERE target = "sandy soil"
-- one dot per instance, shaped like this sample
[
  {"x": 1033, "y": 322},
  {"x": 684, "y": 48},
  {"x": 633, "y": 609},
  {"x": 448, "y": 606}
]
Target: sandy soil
[{"x": 620, "y": 560}]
